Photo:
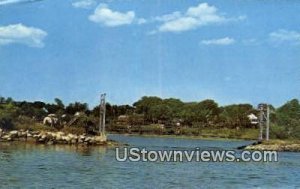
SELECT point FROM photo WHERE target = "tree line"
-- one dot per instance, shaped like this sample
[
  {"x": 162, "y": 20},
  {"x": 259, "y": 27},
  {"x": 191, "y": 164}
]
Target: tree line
[{"x": 285, "y": 120}]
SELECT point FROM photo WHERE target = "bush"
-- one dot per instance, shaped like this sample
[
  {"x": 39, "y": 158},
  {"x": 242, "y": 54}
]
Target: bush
[
  {"x": 74, "y": 130},
  {"x": 278, "y": 132},
  {"x": 33, "y": 127}
]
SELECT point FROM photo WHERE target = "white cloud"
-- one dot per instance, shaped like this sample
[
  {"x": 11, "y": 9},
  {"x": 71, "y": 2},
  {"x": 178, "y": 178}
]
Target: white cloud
[
  {"x": 250, "y": 42},
  {"x": 222, "y": 41},
  {"x": 85, "y": 4},
  {"x": 141, "y": 21},
  {"x": 194, "y": 17},
  {"x": 110, "y": 18},
  {"x": 168, "y": 17},
  {"x": 282, "y": 36},
  {"x": 18, "y": 33}
]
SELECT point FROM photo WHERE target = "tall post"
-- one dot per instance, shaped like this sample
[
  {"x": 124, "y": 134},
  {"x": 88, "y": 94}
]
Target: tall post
[
  {"x": 100, "y": 116},
  {"x": 102, "y": 111},
  {"x": 268, "y": 123},
  {"x": 260, "y": 138}
]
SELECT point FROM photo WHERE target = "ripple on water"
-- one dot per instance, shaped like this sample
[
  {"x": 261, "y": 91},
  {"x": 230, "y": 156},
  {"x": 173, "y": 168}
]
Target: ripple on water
[{"x": 39, "y": 166}]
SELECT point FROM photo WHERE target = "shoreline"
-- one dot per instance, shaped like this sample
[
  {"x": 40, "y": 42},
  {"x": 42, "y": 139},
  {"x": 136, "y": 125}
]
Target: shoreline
[
  {"x": 184, "y": 137},
  {"x": 61, "y": 138},
  {"x": 54, "y": 138},
  {"x": 274, "y": 145}
]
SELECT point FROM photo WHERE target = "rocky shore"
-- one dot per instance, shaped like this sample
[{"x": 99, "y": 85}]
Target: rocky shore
[
  {"x": 278, "y": 145},
  {"x": 50, "y": 138}
]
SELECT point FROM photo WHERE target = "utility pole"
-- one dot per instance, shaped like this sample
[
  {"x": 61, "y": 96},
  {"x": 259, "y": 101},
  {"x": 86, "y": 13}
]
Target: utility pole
[
  {"x": 268, "y": 123},
  {"x": 261, "y": 121},
  {"x": 264, "y": 121},
  {"x": 102, "y": 111}
]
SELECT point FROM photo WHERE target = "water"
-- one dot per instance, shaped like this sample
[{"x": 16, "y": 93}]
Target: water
[{"x": 40, "y": 166}]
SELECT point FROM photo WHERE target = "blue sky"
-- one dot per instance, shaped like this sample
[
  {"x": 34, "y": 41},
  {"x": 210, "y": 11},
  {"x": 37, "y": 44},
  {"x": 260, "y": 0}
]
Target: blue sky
[{"x": 233, "y": 51}]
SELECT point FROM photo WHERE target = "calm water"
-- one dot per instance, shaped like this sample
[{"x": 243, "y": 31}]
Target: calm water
[{"x": 39, "y": 166}]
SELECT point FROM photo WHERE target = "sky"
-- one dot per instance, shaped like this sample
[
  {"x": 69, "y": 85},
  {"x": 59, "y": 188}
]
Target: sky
[{"x": 233, "y": 51}]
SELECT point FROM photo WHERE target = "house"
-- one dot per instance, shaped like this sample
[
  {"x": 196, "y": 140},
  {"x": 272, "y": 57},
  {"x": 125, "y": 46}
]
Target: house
[{"x": 253, "y": 119}]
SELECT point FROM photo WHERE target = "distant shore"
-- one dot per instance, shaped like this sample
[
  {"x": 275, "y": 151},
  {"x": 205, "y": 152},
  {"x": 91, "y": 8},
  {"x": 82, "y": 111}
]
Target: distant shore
[
  {"x": 180, "y": 136},
  {"x": 287, "y": 145},
  {"x": 276, "y": 145},
  {"x": 194, "y": 133}
]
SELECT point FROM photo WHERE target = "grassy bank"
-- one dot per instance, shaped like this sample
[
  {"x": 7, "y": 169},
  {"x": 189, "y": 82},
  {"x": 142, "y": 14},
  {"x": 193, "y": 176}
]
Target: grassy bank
[
  {"x": 187, "y": 132},
  {"x": 276, "y": 145}
]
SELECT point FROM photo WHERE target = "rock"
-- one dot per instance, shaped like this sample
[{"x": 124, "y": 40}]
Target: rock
[
  {"x": 82, "y": 137},
  {"x": 50, "y": 142},
  {"x": 73, "y": 141},
  {"x": 92, "y": 140},
  {"x": 60, "y": 133},
  {"x": 22, "y": 134},
  {"x": 44, "y": 136},
  {"x": 13, "y": 134},
  {"x": 275, "y": 147},
  {"x": 41, "y": 140},
  {"x": 52, "y": 137},
  {"x": 71, "y": 136},
  {"x": 5, "y": 137},
  {"x": 35, "y": 132},
  {"x": 99, "y": 139},
  {"x": 58, "y": 137},
  {"x": 36, "y": 136},
  {"x": 87, "y": 139},
  {"x": 66, "y": 138}
]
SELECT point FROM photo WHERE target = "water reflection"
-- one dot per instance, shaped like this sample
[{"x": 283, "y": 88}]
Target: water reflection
[{"x": 6, "y": 149}]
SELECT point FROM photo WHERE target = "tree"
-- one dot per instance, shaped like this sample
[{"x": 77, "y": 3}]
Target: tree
[
  {"x": 160, "y": 112},
  {"x": 8, "y": 113},
  {"x": 144, "y": 105},
  {"x": 72, "y": 108},
  {"x": 174, "y": 106},
  {"x": 207, "y": 111},
  {"x": 288, "y": 118},
  {"x": 59, "y": 103},
  {"x": 236, "y": 115}
]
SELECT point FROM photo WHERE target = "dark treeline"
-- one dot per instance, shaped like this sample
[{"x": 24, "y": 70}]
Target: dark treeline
[{"x": 171, "y": 112}]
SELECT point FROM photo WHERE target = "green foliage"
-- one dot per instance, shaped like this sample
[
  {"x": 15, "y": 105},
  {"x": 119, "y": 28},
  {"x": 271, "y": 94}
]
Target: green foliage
[
  {"x": 59, "y": 103},
  {"x": 74, "y": 130},
  {"x": 278, "y": 132},
  {"x": 33, "y": 110},
  {"x": 8, "y": 113},
  {"x": 76, "y": 107},
  {"x": 233, "y": 116},
  {"x": 195, "y": 118},
  {"x": 288, "y": 120}
]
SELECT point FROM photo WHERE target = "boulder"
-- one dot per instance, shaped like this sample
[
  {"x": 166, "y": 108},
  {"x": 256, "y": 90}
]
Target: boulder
[
  {"x": 29, "y": 135},
  {"x": 13, "y": 134},
  {"x": 66, "y": 138},
  {"x": 99, "y": 139},
  {"x": 73, "y": 141},
  {"x": 58, "y": 137},
  {"x": 6, "y": 137},
  {"x": 50, "y": 142}
]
